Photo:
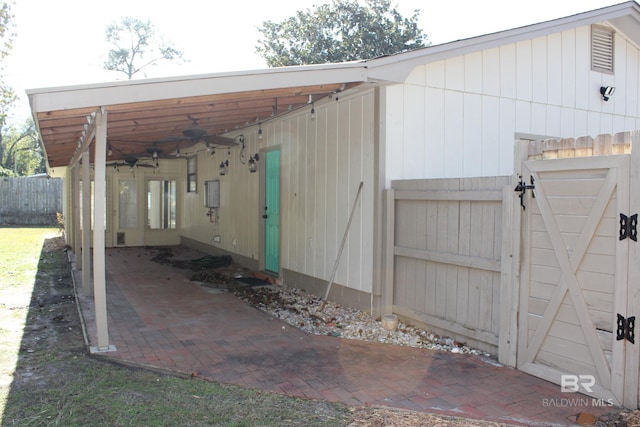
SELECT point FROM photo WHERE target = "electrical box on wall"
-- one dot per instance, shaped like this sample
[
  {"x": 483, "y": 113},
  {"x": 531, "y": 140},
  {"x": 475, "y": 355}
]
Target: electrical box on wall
[{"x": 212, "y": 194}]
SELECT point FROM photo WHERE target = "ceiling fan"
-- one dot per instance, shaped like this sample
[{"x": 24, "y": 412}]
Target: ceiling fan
[
  {"x": 151, "y": 154},
  {"x": 151, "y": 150},
  {"x": 131, "y": 162},
  {"x": 195, "y": 134}
]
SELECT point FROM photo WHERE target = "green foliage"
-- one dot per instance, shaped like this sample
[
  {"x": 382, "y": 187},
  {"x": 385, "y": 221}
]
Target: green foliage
[
  {"x": 338, "y": 32},
  {"x": 136, "y": 45},
  {"x": 7, "y": 34},
  {"x": 6, "y": 28},
  {"x": 20, "y": 151},
  {"x": 7, "y": 95}
]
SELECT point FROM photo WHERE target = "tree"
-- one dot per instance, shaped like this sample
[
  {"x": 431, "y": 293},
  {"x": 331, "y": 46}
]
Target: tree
[
  {"x": 136, "y": 45},
  {"x": 20, "y": 151},
  {"x": 338, "y": 32},
  {"x": 7, "y": 95},
  {"x": 7, "y": 34}
]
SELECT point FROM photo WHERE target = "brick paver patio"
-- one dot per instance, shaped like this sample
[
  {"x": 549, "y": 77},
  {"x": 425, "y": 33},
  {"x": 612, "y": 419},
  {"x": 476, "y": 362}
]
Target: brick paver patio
[{"x": 158, "y": 318}]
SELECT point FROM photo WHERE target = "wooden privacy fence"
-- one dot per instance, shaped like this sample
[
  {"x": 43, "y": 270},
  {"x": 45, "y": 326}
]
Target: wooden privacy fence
[
  {"x": 453, "y": 248},
  {"x": 30, "y": 200},
  {"x": 447, "y": 255}
]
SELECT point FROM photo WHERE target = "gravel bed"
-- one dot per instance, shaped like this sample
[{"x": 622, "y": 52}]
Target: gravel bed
[{"x": 306, "y": 311}]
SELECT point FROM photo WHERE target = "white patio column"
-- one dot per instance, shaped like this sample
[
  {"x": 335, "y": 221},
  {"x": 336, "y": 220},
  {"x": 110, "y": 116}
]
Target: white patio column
[
  {"x": 99, "y": 275},
  {"x": 75, "y": 216},
  {"x": 86, "y": 224}
]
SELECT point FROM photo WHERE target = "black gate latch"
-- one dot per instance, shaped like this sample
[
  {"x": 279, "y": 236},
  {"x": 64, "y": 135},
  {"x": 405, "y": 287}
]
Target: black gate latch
[
  {"x": 628, "y": 227},
  {"x": 626, "y": 328},
  {"x": 522, "y": 187}
]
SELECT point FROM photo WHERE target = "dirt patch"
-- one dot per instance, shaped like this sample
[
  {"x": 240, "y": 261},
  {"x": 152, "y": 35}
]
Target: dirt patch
[
  {"x": 52, "y": 313},
  {"x": 209, "y": 262}
]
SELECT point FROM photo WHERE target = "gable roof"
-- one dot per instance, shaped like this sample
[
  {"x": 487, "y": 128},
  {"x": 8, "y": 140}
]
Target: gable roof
[
  {"x": 624, "y": 17},
  {"x": 142, "y": 112}
]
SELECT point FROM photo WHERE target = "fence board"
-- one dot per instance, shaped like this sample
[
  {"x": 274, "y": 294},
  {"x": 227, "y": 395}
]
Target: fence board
[
  {"x": 447, "y": 250},
  {"x": 30, "y": 200}
]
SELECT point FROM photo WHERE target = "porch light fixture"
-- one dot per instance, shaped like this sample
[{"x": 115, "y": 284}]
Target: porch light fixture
[
  {"x": 607, "y": 92},
  {"x": 224, "y": 167},
  {"x": 252, "y": 162},
  {"x": 260, "y": 132},
  {"x": 313, "y": 110}
]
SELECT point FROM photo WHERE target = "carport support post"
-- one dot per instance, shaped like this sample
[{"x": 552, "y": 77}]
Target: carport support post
[
  {"x": 99, "y": 275},
  {"x": 75, "y": 215},
  {"x": 86, "y": 224}
]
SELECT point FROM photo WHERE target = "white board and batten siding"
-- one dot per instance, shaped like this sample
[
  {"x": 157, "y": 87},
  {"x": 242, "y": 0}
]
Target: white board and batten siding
[
  {"x": 322, "y": 164},
  {"x": 458, "y": 117}
]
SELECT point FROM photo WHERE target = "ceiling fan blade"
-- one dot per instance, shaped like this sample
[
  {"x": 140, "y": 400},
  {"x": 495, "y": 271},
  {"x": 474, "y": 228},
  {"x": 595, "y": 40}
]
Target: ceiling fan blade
[{"x": 220, "y": 140}]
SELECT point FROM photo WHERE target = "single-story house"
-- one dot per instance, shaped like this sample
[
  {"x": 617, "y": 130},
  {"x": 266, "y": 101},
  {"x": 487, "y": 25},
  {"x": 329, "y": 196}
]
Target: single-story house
[{"x": 172, "y": 160}]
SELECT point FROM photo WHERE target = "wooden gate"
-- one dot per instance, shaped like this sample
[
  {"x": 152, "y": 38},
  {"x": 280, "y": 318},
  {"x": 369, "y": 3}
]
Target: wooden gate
[{"x": 575, "y": 277}]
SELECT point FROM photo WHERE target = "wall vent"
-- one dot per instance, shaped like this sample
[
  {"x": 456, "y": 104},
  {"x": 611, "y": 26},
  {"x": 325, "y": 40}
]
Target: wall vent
[{"x": 602, "y": 42}]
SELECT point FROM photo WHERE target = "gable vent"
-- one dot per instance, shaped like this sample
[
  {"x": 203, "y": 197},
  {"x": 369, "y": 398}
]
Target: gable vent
[{"x": 602, "y": 49}]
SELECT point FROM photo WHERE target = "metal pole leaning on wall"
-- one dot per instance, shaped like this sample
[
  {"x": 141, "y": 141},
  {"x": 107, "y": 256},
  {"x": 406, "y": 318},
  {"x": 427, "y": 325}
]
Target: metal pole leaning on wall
[{"x": 344, "y": 239}]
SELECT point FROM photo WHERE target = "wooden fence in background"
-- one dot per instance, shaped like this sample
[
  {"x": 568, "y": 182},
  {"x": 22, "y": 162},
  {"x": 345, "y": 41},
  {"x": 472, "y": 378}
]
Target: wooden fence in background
[{"x": 30, "y": 200}]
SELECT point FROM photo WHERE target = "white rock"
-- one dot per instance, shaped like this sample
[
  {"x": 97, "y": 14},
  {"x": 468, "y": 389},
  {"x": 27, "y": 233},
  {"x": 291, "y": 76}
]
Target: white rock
[{"x": 305, "y": 311}]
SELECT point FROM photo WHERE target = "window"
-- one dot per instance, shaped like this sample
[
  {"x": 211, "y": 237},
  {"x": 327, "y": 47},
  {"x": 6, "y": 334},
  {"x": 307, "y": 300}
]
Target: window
[
  {"x": 161, "y": 205},
  {"x": 127, "y": 204},
  {"x": 602, "y": 42},
  {"x": 192, "y": 176}
]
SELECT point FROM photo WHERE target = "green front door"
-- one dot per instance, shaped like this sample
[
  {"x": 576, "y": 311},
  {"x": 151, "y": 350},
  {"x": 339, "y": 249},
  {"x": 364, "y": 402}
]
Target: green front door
[{"x": 272, "y": 211}]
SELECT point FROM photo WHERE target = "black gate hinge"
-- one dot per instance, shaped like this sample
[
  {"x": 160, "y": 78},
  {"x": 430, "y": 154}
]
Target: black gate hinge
[
  {"x": 522, "y": 187},
  {"x": 626, "y": 328},
  {"x": 628, "y": 227}
]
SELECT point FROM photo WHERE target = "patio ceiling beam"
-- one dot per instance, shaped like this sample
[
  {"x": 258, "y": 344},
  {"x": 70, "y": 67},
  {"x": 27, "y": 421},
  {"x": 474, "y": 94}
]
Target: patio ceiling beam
[{"x": 86, "y": 137}]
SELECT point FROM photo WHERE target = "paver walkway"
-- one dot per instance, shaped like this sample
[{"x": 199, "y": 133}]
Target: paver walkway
[{"x": 158, "y": 317}]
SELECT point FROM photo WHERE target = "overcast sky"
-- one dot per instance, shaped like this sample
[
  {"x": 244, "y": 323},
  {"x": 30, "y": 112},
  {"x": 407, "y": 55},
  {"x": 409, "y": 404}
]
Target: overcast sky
[{"x": 62, "y": 42}]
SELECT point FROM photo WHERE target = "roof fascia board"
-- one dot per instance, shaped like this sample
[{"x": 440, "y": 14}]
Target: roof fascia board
[
  {"x": 70, "y": 97},
  {"x": 396, "y": 68}
]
